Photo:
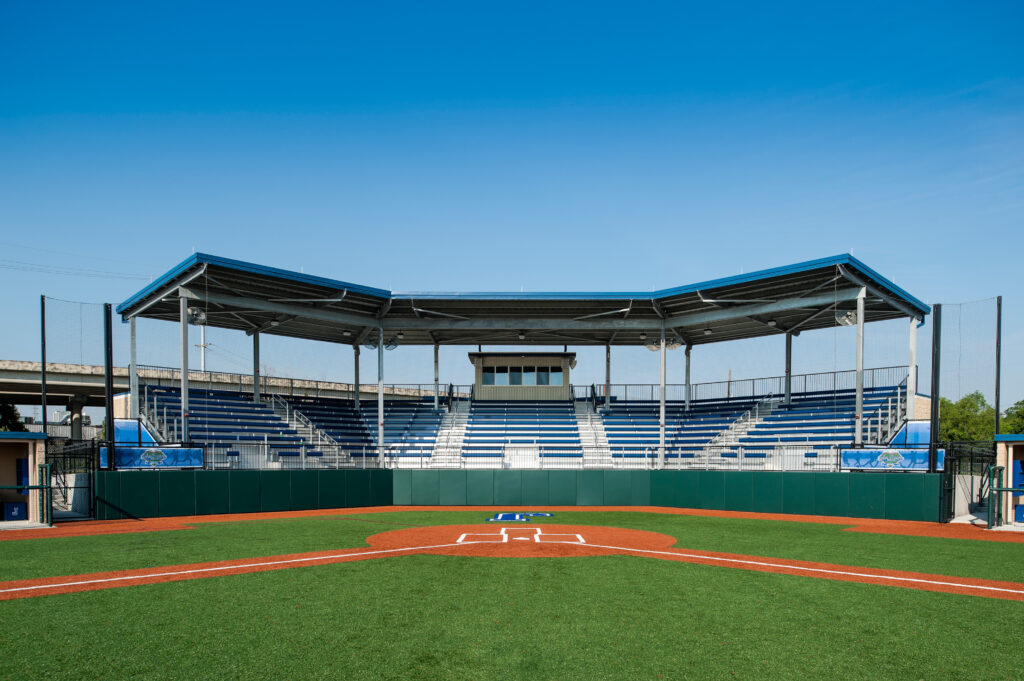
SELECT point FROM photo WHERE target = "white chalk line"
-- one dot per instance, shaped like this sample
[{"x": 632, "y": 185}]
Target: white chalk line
[
  {"x": 222, "y": 568},
  {"x": 741, "y": 561},
  {"x": 847, "y": 573}
]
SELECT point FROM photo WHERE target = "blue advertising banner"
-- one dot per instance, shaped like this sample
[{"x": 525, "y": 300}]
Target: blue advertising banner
[
  {"x": 154, "y": 457},
  {"x": 893, "y": 459}
]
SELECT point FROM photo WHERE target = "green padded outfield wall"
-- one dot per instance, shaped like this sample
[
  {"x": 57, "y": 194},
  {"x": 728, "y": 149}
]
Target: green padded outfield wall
[
  {"x": 146, "y": 494},
  {"x": 897, "y": 496},
  {"x": 151, "y": 494}
]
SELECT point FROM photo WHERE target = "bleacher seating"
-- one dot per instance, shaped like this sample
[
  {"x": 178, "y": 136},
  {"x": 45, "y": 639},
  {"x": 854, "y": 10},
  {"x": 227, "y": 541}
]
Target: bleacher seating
[
  {"x": 531, "y": 430},
  {"x": 817, "y": 420},
  {"x": 409, "y": 425},
  {"x": 217, "y": 416},
  {"x": 336, "y": 417},
  {"x": 632, "y": 428},
  {"x": 546, "y": 427}
]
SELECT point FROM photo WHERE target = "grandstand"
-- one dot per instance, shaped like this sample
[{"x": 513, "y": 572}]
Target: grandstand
[{"x": 523, "y": 410}]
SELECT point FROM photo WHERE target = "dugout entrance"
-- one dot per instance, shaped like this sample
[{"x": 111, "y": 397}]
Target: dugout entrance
[{"x": 73, "y": 464}]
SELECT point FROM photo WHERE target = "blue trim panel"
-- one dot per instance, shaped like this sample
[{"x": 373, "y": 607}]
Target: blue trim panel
[
  {"x": 1010, "y": 437},
  {"x": 242, "y": 266},
  {"x": 846, "y": 259},
  {"x": 22, "y": 436},
  {"x": 806, "y": 266}
]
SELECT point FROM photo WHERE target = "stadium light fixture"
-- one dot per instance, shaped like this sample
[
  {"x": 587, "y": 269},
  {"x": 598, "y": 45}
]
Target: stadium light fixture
[
  {"x": 707, "y": 331},
  {"x": 643, "y": 335},
  {"x": 772, "y": 322},
  {"x": 401, "y": 335},
  {"x": 196, "y": 316},
  {"x": 522, "y": 336}
]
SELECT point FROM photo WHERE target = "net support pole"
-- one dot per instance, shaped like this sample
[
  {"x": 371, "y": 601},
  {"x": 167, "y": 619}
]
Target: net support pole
[
  {"x": 608, "y": 376},
  {"x": 355, "y": 361},
  {"x": 661, "y": 406},
  {"x": 789, "y": 367},
  {"x": 202, "y": 348},
  {"x": 999, "y": 353},
  {"x": 858, "y": 433},
  {"x": 380, "y": 397},
  {"x": 183, "y": 322},
  {"x": 912, "y": 369},
  {"x": 133, "y": 368},
  {"x": 42, "y": 370},
  {"x": 933, "y": 446},
  {"x": 108, "y": 379},
  {"x": 689, "y": 387},
  {"x": 436, "y": 376},
  {"x": 256, "y": 367}
]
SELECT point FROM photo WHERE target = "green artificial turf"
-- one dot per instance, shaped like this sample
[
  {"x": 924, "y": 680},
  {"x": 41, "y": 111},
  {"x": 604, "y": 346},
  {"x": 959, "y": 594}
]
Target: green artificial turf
[
  {"x": 441, "y": 617},
  {"x": 247, "y": 539}
]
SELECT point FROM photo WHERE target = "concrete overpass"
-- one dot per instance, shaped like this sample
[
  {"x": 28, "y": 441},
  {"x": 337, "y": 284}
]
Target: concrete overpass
[{"x": 81, "y": 385}]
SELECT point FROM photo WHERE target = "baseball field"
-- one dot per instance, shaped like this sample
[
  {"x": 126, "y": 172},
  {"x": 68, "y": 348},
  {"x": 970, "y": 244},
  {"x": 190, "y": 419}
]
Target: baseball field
[{"x": 463, "y": 593}]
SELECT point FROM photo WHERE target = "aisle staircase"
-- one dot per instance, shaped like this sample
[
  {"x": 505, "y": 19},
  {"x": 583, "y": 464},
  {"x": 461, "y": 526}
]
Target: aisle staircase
[
  {"x": 448, "y": 447},
  {"x": 593, "y": 439}
]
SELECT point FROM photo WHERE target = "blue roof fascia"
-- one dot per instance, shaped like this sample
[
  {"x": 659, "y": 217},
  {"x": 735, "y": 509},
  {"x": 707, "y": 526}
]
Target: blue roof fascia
[
  {"x": 168, "y": 277},
  {"x": 22, "y": 436},
  {"x": 877, "y": 278},
  {"x": 531, "y": 295},
  {"x": 252, "y": 268},
  {"x": 844, "y": 259},
  {"x": 831, "y": 261},
  {"x": 1010, "y": 437}
]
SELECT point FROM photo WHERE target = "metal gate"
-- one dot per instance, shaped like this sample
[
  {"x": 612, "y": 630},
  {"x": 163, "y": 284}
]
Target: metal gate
[
  {"x": 72, "y": 477},
  {"x": 964, "y": 479}
]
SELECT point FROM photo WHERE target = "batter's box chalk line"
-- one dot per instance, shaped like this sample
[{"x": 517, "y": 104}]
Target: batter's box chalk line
[{"x": 534, "y": 534}]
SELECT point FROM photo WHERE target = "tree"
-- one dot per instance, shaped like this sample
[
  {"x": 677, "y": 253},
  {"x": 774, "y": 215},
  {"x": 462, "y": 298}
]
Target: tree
[
  {"x": 968, "y": 419},
  {"x": 1013, "y": 419},
  {"x": 10, "y": 419}
]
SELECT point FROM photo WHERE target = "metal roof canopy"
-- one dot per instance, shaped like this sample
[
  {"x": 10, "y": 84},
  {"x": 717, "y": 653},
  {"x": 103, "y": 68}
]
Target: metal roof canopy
[{"x": 254, "y": 298}]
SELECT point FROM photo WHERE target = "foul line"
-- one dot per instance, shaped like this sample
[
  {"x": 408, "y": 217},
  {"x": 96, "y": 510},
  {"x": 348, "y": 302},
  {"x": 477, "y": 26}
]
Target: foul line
[
  {"x": 222, "y": 568},
  {"x": 783, "y": 566}
]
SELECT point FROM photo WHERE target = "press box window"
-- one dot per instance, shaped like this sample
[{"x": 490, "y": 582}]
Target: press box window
[
  {"x": 488, "y": 376},
  {"x": 500, "y": 375},
  {"x": 556, "y": 375}
]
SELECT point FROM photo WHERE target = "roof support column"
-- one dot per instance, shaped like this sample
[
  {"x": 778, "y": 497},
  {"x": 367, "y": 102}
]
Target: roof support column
[
  {"x": 912, "y": 369},
  {"x": 256, "y": 366},
  {"x": 789, "y": 368},
  {"x": 608, "y": 376},
  {"x": 183, "y": 322},
  {"x": 436, "y": 376},
  {"x": 688, "y": 386},
  {"x": 858, "y": 433},
  {"x": 661, "y": 407},
  {"x": 380, "y": 397},
  {"x": 355, "y": 392},
  {"x": 133, "y": 370}
]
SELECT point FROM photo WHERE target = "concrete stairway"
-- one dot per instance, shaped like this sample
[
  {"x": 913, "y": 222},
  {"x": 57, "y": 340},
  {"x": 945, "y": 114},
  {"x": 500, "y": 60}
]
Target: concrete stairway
[
  {"x": 593, "y": 439},
  {"x": 730, "y": 437},
  {"x": 306, "y": 429},
  {"x": 448, "y": 446}
]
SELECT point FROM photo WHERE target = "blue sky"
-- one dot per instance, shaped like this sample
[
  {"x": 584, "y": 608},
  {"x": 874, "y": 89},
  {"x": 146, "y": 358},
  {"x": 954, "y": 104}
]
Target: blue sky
[{"x": 453, "y": 146}]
